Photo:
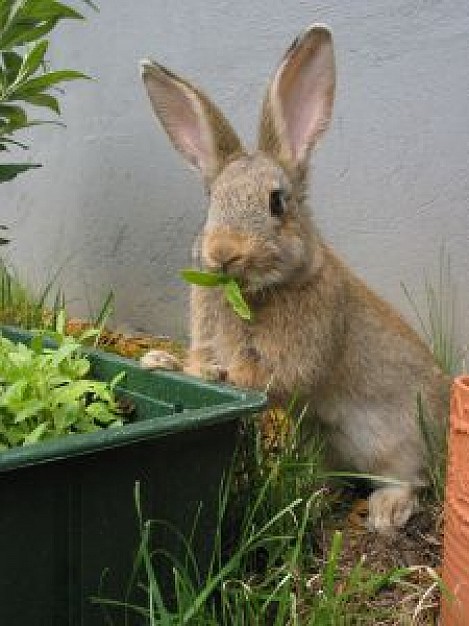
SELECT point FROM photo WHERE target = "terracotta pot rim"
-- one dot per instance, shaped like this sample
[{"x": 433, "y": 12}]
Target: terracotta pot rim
[{"x": 462, "y": 382}]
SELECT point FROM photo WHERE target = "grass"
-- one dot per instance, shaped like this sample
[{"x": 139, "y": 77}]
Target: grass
[
  {"x": 264, "y": 570},
  {"x": 21, "y": 306},
  {"x": 437, "y": 319},
  {"x": 437, "y": 322}
]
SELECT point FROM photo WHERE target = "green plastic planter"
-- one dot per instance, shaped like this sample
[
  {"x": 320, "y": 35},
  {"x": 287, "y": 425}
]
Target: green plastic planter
[{"x": 68, "y": 525}]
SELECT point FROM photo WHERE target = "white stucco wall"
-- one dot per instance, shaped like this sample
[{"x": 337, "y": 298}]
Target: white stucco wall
[{"x": 117, "y": 208}]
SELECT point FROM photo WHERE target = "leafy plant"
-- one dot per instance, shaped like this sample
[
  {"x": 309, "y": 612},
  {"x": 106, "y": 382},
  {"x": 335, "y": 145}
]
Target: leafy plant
[
  {"x": 24, "y": 76},
  {"x": 44, "y": 391},
  {"x": 231, "y": 289}
]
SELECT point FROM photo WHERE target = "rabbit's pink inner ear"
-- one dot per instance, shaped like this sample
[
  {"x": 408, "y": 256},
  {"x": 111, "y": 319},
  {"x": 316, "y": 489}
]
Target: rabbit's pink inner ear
[
  {"x": 303, "y": 92},
  {"x": 182, "y": 116}
]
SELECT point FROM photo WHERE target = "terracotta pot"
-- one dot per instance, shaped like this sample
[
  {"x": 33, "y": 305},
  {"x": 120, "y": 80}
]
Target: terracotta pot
[{"x": 455, "y": 604}]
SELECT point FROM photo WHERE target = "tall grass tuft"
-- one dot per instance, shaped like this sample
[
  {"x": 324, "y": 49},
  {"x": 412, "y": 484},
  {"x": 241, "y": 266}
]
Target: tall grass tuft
[
  {"x": 21, "y": 307},
  {"x": 437, "y": 323}
]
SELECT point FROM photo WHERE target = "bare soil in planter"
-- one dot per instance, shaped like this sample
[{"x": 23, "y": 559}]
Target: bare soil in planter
[{"x": 418, "y": 546}]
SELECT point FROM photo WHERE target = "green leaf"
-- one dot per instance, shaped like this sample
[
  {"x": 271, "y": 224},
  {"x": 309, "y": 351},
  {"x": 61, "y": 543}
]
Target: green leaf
[
  {"x": 30, "y": 408},
  {"x": 117, "y": 379},
  {"x": 19, "y": 34},
  {"x": 235, "y": 297},
  {"x": 41, "y": 10},
  {"x": 14, "y": 114},
  {"x": 60, "y": 322},
  {"x": 43, "y": 100},
  {"x": 35, "y": 435},
  {"x": 65, "y": 416},
  {"x": 32, "y": 60},
  {"x": 231, "y": 288},
  {"x": 36, "y": 343},
  {"x": 64, "y": 352},
  {"x": 78, "y": 389},
  {"x": 12, "y": 62},
  {"x": 204, "y": 279},
  {"x": 36, "y": 85},
  {"x": 11, "y": 170},
  {"x": 100, "y": 413},
  {"x": 14, "y": 435},
  {"x": 80, "y": 367},
  {"x": 28, "y": 20},
  {"x": 13, "y": 394}
]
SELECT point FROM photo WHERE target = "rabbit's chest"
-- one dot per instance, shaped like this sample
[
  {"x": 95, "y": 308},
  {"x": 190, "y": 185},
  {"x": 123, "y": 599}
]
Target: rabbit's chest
[
  {"x": 288, "y": 346},
  {"x": 260, "y": 353}
]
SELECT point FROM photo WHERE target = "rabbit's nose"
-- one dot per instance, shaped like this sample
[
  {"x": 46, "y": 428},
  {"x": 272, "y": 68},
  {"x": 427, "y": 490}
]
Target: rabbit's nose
[
  {"x": 226, "y": 263},
  {"x": 222, "y": 260},
  {"x": 223, "y": 250}
]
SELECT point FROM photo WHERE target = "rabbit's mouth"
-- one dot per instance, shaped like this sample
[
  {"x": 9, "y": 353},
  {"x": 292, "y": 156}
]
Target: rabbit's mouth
[{"x": 255, "y": 262}]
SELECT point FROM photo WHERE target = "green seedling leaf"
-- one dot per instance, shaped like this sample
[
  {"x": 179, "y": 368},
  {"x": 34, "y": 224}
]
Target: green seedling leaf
[
  {"x": 37, "y": 343},
  {"x": 235, "y": 297},
  {"x": 60, "y": 322},
  {"x": 30, "y": 408},
  {"x": 100, "y": 413},
  {"x": 231, "y": 289},
  {"x": 36, "y": 434},
  {"x": 80, "y": 367},
  {"x": 116, "y": 380},
  {"x": 13, "y": 394}
]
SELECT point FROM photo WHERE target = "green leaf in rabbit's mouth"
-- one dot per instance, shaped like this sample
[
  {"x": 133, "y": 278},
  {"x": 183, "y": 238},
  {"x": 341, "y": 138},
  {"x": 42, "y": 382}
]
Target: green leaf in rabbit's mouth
[{"x": 231, "y": 289}]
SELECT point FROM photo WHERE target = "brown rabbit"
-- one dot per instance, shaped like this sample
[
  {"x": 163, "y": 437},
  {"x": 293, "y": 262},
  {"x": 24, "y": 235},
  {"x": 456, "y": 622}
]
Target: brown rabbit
[{"x": 318, "y": 331}]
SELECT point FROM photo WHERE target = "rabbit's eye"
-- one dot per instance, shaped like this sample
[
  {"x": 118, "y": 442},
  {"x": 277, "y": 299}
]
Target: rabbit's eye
[{"x": 277, "y": 203}]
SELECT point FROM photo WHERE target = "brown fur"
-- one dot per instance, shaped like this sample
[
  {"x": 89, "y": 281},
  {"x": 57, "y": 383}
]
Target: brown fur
[{"x": 318, "y": 331}]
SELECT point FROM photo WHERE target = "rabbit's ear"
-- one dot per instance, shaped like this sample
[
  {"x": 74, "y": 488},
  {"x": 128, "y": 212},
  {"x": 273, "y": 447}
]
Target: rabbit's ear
[
  {"x": 196, "y": 127},
  {"x": 298, "y": 104}
]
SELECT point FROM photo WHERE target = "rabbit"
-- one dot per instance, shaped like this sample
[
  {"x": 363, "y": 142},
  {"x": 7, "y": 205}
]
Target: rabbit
[{"x": 317, "y": 330}]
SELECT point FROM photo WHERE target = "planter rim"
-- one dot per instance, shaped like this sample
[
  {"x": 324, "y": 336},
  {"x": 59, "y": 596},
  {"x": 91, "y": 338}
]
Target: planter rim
[
  {"x": 230, "y": 404},
  {"x": 462, "y": 383}
]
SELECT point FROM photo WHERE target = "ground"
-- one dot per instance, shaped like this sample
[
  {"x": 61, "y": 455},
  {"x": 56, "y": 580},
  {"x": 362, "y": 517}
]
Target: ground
[{"x": 419, "y": 546}]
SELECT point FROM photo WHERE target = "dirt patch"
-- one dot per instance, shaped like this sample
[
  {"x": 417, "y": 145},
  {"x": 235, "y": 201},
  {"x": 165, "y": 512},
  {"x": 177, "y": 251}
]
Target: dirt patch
[{"x": 415, "y": 599}]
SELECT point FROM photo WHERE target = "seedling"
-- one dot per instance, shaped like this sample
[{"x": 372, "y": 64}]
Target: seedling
[
  {"x": 45, "y": 392},
  {"x": 231, "y": 289}
]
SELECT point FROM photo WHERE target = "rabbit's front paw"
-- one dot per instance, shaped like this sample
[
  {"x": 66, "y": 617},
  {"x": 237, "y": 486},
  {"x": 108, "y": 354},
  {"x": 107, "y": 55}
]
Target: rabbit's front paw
[
  {"x": 390, "y": 508},
  {"x": 208, "y": 371},
  {"x": 159, "y": 359},
  {"x": 248, "y": 370}
]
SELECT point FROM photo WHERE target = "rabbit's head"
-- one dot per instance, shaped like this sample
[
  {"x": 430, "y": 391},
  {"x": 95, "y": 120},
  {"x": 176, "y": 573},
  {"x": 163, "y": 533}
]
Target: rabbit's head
[{"x": 258, "y": 228}]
